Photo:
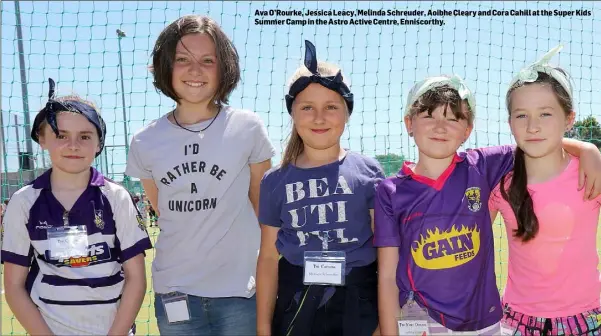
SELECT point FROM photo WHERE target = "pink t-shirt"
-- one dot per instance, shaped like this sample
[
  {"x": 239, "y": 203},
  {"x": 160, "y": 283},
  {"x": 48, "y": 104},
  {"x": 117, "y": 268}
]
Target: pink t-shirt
[{"x": 555, "y": 274}]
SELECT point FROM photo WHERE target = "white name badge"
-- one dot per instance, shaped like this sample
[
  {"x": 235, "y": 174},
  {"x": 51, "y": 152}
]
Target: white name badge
[
  {"x": 176, "y": 308},
  {"x": 68, "y": 241},
  {"x": 324, "y": 268},
  {"x": 413, "y": 327}
]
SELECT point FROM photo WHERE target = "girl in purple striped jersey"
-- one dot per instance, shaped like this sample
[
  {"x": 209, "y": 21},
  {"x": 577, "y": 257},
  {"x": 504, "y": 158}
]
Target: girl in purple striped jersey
[{"x": 74, "y": 243}]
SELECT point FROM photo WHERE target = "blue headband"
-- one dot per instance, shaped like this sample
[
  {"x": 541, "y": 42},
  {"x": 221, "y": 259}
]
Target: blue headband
[
  {"x": 48, "y": 114},
  {"x": 333, "y": 83}
]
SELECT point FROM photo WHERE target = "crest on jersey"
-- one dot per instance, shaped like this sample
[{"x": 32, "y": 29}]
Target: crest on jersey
[
  {"x": 473, "y": 199},
  {"x": 98, "y": 220}
]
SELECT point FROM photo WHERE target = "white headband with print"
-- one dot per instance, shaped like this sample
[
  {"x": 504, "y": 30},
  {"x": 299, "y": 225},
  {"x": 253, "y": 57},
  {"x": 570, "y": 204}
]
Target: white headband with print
[
  {"x": 430, "y": 83},
  {"x": 529, "y": 74}
]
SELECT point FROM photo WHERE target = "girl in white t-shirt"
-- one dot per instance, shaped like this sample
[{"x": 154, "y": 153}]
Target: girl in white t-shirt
[{"x": 201, "y": 166}]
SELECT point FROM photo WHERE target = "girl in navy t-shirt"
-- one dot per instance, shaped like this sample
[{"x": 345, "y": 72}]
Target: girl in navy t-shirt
[{"x": 316, "y": 212}]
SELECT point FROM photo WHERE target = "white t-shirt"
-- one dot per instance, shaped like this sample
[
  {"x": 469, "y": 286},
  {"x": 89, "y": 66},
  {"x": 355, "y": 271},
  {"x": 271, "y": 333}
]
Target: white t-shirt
[
  {"x": 210, "y": 236},
  {"x": 77, "y": 295}
]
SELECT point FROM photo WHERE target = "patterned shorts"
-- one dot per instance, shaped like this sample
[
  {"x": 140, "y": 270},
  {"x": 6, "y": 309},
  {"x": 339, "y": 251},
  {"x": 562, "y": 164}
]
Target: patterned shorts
[{"x": 517, "y": 324}]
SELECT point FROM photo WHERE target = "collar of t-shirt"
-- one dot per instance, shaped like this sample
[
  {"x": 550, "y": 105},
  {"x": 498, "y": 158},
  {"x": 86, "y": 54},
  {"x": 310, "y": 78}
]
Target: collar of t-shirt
[
  {"x": 43, "y": 181},
  {"x": 437, "y": 184}
]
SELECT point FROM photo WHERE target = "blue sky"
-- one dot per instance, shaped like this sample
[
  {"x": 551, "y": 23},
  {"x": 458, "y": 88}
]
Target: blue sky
[{"x": 75, "y": 43}]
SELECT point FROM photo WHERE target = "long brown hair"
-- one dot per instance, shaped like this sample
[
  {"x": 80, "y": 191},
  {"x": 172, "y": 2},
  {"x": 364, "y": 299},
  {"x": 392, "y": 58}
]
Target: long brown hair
[
  {"x": 517, "y": 194},
  {"x": 295, "y": 145}
]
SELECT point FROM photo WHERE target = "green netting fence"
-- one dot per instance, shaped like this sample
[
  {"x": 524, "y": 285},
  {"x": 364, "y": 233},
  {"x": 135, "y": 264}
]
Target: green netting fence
[{"x": 101, "y": 51}]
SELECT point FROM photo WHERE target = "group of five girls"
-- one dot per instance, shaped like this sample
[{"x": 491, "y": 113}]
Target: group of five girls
[{"x": 342, "y": 249}]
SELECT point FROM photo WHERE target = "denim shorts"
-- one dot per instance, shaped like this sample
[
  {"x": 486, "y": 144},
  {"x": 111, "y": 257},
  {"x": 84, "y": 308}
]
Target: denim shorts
[{"x": 210, "y": 316}]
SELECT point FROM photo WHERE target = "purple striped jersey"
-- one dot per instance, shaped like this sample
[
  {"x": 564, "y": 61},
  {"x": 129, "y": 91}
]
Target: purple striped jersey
[
  {"x": 74, "y": 295},
  {"x": 443, "y": 230}
]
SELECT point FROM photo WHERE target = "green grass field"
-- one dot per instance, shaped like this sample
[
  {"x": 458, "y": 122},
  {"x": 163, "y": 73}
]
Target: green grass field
[{"x": 146, "y": 323}]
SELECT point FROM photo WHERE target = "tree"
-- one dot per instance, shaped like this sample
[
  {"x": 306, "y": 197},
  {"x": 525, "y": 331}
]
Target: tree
[
  {"x": 587, "y": 129},
  {"x": 391, "y": 163}
]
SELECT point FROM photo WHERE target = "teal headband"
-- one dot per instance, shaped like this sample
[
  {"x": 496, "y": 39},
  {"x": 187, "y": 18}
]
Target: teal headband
[
  {"x": 529, "y": 74},
  {"x": 430, "y": 83}
]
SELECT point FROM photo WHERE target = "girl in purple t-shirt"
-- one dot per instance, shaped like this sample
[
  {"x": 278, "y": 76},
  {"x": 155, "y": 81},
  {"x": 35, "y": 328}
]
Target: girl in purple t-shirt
[
  {"x": 436, "y": 261},
  {"x": 315, "y": 211}
]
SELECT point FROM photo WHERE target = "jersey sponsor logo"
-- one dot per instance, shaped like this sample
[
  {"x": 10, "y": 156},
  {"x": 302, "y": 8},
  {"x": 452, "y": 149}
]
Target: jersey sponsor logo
[
  {"x": 446, "y": 249},
  {"x": 472, "y": 195},
  {"x": 96, "y": 252}
]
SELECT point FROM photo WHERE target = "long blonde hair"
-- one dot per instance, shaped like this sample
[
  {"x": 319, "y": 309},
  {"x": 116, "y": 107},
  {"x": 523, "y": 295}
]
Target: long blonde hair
[{"x": 295, "y": 144}]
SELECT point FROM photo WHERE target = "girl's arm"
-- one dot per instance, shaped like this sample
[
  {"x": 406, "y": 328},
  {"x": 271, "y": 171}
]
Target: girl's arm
[
  {"x": 590, "y": 166},
  {"x": 152, "y": 193},
  {"x": 257, "y": 170},
  {"x": 20, "y": 302},
  {"x": 133, "y": 241},
  {"x": 388, "y": 292},
  {"x": 267, "y": 279},
  {"x": 134, "y": 290},
  {"x": 498, "y": 161},
  {"x": 371, "y": 214}
]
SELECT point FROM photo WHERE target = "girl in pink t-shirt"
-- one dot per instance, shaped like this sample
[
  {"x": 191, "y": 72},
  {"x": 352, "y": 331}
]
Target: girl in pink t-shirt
[{"x": 553, "y": 285}]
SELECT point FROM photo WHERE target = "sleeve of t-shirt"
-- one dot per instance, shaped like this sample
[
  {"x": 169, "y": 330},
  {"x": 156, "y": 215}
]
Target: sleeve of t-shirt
[
  {"x": 377, "y": 177},
  {"x": 262, "y": 148},
  {"x": 386, "y": 228},
  {"x": 131, "y": 232},
  {"x": 16, "y": 243},
  {"x": 269, "y": 213},
  {"x": 495, "y": 162},
  {"x": 135, "y": 166}
]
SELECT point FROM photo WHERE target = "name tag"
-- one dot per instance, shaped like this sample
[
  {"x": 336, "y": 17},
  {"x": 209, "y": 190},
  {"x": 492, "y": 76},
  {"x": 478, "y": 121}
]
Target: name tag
[
  {"x": 68, "y": 241},
  {"x": 324, "y": 268},
  {"x": 413, "y": 327},
  {"x": 176, "y": 308}
]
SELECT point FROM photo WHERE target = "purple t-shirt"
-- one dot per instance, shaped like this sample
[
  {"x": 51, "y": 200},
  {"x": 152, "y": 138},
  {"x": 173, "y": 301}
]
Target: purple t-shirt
[
  {"x": 328, "y": 201},
  {"x": 444, "y": 230}
]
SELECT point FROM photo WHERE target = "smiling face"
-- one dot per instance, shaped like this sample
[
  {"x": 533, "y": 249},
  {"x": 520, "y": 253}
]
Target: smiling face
[
  {"x": 537, "y": 119},
  {"x": 319, "y": 115},
  {"x": 440, "y": 134},
  {"x": 75, "y": 148},
  {"x": 195, "y": 76}
]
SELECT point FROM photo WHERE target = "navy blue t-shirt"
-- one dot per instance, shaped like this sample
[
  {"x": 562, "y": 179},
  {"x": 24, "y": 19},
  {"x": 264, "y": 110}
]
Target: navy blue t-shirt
[{"x": 333, "y": 201}]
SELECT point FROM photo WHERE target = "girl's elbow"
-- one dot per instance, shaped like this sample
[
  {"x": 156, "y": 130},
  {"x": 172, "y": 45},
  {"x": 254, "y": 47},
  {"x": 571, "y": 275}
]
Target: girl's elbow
[{"x": 267, "y": 262}]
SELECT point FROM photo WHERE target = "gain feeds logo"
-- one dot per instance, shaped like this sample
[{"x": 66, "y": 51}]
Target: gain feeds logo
[{"x": 446, "y": 249}]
